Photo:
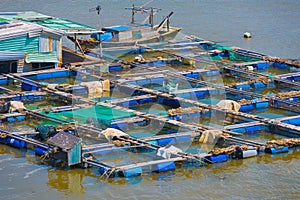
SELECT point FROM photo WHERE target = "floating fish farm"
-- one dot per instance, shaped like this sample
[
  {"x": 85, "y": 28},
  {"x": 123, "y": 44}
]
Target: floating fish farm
[{"x": 190, "y": 103}]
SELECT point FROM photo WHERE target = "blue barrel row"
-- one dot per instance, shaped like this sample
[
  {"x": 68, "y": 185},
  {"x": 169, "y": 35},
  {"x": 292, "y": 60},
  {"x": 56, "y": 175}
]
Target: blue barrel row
[
  {"x": 26, "y": 96},
  {"x": 49, "y": 75},
  {"x": 290, "y": 99},
  {"x": 3, "y": 80},
  {"x": 29, "y": 85},
  {"x": 133, "y": 102},
  {"x": 137, "y": 171},
  {"x": 13, "y": 118},
  {"x": 197, "y": 75},
  {"x": 292, "y": 121},
  {"x": 249, "y": 86},
  {"x": 196, "y": 94},
  {"x": 186, "y": 116},
  {"x": 281, "y": 65},
  {"x": 255, "y": 105},
  {"x": 147, "y": 81},
  {"x": 159, "y": 167},
  {"x": 13, "y": 142},
  {"x": 248, "y": 129}
]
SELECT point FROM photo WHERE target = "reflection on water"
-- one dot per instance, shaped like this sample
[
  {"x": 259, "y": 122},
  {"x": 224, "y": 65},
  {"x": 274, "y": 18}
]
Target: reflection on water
[
  {"x": 269, "y": 175},
  {"x": 67, "y": 181}
]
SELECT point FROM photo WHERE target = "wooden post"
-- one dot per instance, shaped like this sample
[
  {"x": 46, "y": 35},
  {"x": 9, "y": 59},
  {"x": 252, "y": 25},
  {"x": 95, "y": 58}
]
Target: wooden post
[
  {"x": 151, "y": 20},
  {"x": 75, "y": 37},
  {"x": 132, "y": 14},
  {"x": 100, "y": 46}
]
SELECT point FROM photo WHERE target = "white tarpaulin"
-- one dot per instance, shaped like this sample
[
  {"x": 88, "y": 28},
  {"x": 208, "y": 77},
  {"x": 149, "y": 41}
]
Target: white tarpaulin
[
  {"x": 166, "y": 152},
  {"x": 112, "y": 133},
  {"x": 229, "y": 105}
]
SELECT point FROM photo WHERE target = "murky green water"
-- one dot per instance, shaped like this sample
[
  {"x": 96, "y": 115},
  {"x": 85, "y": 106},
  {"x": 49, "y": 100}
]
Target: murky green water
[{"x": 274, "y": 25}]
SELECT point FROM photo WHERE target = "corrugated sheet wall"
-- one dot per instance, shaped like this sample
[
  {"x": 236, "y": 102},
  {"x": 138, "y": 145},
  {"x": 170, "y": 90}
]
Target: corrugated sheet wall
[
  {"x": 59, "y": 51},
  {"x": 47, "y": 44},
  {"x": 74, "y": 155},
  {"x": 22, "y": 43}
]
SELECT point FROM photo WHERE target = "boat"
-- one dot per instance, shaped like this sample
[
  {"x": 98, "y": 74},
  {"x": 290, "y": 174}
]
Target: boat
[{"x": 131, "y": 34}]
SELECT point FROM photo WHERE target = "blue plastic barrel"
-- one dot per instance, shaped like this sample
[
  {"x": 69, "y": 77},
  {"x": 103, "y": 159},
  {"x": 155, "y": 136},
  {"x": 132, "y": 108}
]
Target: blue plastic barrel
[
  {"x": 295, "y": 121},
  {"x": 263, "y": 104},
  {"x": 239, "y": 130},
  {"x": 145, "y": 100},
  {"x": 16, "y": 143},
  {"x": 175, "y": 117},
  {"x": 40, "y": 151},
  {"x": 243, "y": 87},
  {"x": 259, "y": 85},
  {"x": 122, "y": 126},
  {"x": 246, "y": 107},
  {"x": 165, "y": 141},
  {"x": 274, "y": 150},
  {"x": 217, "y": 158},
  {"x": 251, "y": 129},
  {"x": 115, "y": 68},
  {"x": 163, "y": 167},
  {"x": 183, "y": 138},
  {"x": 132, "y": 172}
]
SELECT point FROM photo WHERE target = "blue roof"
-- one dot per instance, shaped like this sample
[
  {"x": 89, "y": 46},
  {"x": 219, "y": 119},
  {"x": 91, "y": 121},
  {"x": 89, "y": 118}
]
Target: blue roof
[{"x": 117, "y": 28}]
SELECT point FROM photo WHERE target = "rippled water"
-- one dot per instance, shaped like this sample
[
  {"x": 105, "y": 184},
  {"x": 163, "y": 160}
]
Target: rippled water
[{"x": 275, "y": 27}]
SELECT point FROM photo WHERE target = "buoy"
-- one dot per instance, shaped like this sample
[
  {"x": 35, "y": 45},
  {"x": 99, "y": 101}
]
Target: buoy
[{"x": 247, "y": 35}]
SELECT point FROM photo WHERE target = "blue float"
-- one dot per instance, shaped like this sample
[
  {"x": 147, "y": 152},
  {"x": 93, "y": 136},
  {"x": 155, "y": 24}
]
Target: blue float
[
  {"x": 259, "y": 85},
  {"x": 175, "y": 117},
  {"x": 3, "y": 80},
  {"x": 16, "y": 143},
  {"x": 29, "y": 86},
  {"x": 251, "y": 129},
  {"x": 195, "y": 75},
  {"x": 157, "y": 80},
  {"x": 263, "y": 104},
  {"x": 280, "y": 65},
  {"x": 183, "y": 138},
  {"x": 59, "y": 74},
  {"x": 16, "y": 98},
  {"x": 246, "y": 107},
  {"x": 163, "y": 167},
  {"x": 132, "y": 172},
  {"x": 217, "y": 158},
  {"x": 43, "y": 76},
  {"x": 145, "y": 100},
  {"x": 261, "y": 66},
  {"x": 243, "y": 87},
  {"x": 165, "y": 141},
  {"x": 115, "y": 68},
  {"x": 40, "y": 151},
  {"x": 275, "y": 150},
  {"x": 239, "y": 130},
  {"x": 121, "y": 126},
  {"x": 293, "y": 121},
  {"x": 201, "y": 94}
]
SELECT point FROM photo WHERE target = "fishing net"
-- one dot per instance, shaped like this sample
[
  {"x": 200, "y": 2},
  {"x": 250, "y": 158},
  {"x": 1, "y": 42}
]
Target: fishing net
[{"x": 98, "y": 112}]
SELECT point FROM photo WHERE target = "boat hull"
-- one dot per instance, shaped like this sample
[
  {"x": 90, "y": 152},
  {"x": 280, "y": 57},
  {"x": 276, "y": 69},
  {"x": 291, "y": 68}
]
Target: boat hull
[{"x": 164, "y": 36}]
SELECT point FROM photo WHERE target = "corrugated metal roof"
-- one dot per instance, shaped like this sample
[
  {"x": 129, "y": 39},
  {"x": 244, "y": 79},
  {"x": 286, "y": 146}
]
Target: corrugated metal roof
[
  {"x": 17, "y": 29},
  {"x": 65, "y": 25},
  {"x": 22, "y": 43},
  {"x": 41, "y": 57},
  {"x": 64, "y": 140},
  {"x": 11, "y": 55}
]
